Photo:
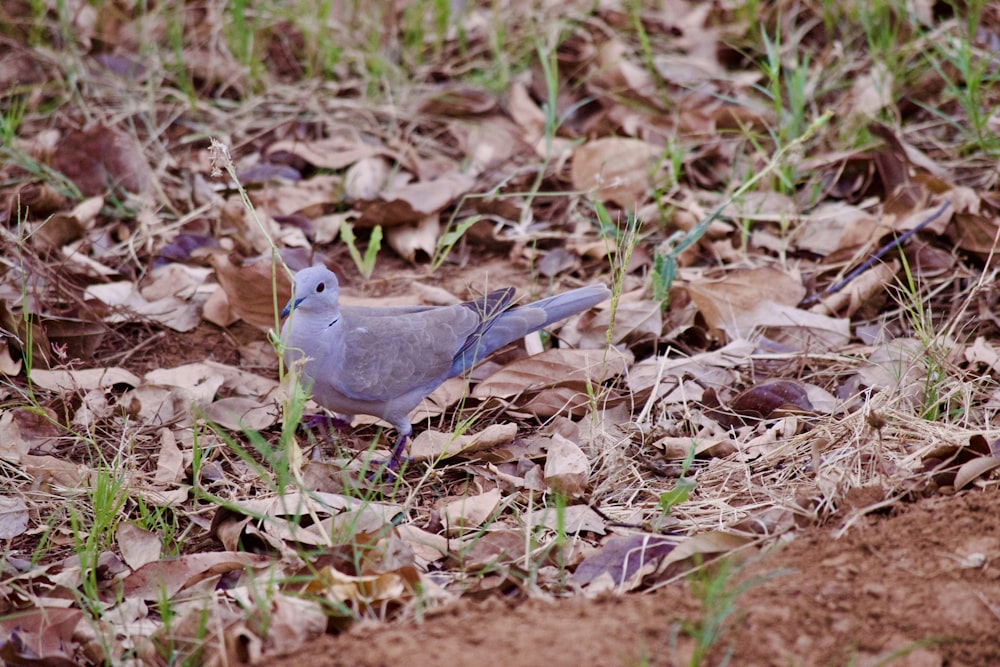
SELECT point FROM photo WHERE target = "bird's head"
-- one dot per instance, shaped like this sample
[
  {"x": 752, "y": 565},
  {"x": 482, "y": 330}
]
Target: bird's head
[{"x": 316, "y": 290}]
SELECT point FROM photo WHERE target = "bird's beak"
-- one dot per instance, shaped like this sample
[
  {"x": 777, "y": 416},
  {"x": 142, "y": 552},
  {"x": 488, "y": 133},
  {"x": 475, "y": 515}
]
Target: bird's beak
[{"x": 292, "y": 305}]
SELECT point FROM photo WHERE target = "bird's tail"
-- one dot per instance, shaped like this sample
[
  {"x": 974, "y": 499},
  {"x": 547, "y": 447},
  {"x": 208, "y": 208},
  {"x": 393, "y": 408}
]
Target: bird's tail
[
  {"x": 516, "y": 323},
  {"x": 561, "y": 306}
]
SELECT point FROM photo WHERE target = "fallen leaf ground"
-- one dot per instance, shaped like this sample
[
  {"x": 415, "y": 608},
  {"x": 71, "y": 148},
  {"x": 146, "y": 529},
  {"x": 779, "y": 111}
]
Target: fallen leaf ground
[
  {"x": 787, "y": 455},
  {"x": 909, "y": 586}
]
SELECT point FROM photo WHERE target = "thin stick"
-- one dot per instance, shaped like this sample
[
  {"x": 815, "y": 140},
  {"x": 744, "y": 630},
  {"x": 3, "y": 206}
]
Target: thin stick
[{"x": 895, "y": 243}]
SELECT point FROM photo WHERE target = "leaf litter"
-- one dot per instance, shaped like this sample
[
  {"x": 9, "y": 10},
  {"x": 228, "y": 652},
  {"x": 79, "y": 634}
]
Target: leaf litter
[{"x": 147, "y": 473}]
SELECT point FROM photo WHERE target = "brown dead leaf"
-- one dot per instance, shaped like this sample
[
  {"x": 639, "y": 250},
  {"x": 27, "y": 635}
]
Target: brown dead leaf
[
  {"x": 775, "y": 398},
  {"x": 45, "y": 635},
  {"x": 333, "y": 153},
  {"x": 872, "y": 284},
  {"x": 366, "y": 178},
  {"x": 458, "y": 99},
  {"x": 695, "y": 549},
  {"x": 973, "y": 459},
  {"x": 129, "y": 304},
  {"x": 560, "y": 400},
  {"x": 22, "y": 430},
  {"x": 413, "y": 202},
  {"x": 25, "y": 329},
  {"x": 74, "y": 381},
  {"x": 217, "y": 311},
  {"x": 573, "y": 519},
  {"x": 871, "y": 92},
  {"x": 553, "y": 367},
  {"x": 339, "y": 515},
  {"x": 13, "y": 517},
  {"x": 169, "y": 461},
  {"x": 158, "y": 405},
  {"x": 834, "y": 226},
  {"x": 449, "y": 393},
  {"x": 679, "y": 448},
  {"x": 365, "y": 591},
  {"x": 468, "y": 513},
  {"x": 663, "y": 375},
  {"x": 290, "y": 621},
  {"x": 622, "y": 562},
  {"x": 497, "y": 546},
  {"x": 491, "y": 142},
  {"x": 102, "y": 159},
  {"x": 58, "y": 230},
  {"x": 567, "y": 469},
  {"x": 199, "y": 380},
  {"x": 615, "y": 170},
  {"x": 434, "y": 445},
  {"x": 983, "y": 353},
  {"x": 137, "y": 546},
  {"x": 406, "y": 240},
  {"x": 49, "y": 471},
  {"x": 614, "y": 71},
  {"x": 525, "y": 112},
  {"x": 723, "y": 301},
  {"x": 241, "y": 413},
  {"x": 163, "y": 579},
  {"x": 76, "y": 338},
  {"x": 974, "y": 469},
  {"x": 8, "y": 365},
  {"x": 427, "y": 547},
  {"x": 248, "y": 289},
  {"x": 636, "y": 319},
  {"x": 307, "y": 197}
]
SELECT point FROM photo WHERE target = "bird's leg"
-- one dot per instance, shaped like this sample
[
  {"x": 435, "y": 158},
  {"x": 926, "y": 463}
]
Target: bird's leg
[{"x": 397, "y": 458}]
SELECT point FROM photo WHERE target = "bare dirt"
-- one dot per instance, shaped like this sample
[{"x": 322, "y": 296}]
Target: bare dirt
[{"x": 918, "y": 586}]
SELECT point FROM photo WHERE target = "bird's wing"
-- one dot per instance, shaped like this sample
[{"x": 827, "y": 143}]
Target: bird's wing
[{"x": 383, "y": 357}]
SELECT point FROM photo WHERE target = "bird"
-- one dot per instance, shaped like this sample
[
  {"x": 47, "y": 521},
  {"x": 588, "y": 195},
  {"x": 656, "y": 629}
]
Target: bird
[{"x": 383, "y": 361}]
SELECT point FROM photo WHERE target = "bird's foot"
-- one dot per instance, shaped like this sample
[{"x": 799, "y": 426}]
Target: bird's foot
[
  {"x": 390, "y": 468},
  {"x": 395, "y": 464}
]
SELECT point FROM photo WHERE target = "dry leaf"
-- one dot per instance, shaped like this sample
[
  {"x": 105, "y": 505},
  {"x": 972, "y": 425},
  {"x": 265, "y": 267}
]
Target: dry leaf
[
  {"x": 434, "y": 445},
  {"x": 573, "y": 519},
  {"x": 615, "y": 170},
  {"x": 137, "y": 546},
  {"x": 406, "y": 240},
  {"x": 497, "y": 546},
  {"x": 470, "y": 512},
  {"x": 240, "y": 413},
  {"x": 413, "y": 202},
  {"x": 129, "y": 305},
  {"x": 101, "y": 157},
  {"x": 169, "y": 461},
  {"x": 427, "y": 547},
  {"x": 163, "y": 579},
  {"x": 249, "y": 289},
  {"x": 73, "y": 381},
  {"x": 567, "y": 469},
  {"x": 575, "y": 368},
  {"x": 622, "y": 562},
  {"x": 333, "y": 153},
  {"x": 13, "y": 517},
  {"x": 366, "y": 178}
]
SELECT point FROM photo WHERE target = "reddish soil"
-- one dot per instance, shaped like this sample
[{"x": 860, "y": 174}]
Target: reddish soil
[{"x": 919, "y": 586}]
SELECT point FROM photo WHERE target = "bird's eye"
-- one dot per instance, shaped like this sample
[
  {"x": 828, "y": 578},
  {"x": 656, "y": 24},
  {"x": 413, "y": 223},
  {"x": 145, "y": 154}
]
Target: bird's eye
[{"x": 320, "y": 288}]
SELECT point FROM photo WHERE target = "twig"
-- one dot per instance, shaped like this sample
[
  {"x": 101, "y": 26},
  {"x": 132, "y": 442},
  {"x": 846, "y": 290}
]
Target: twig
[
  {"x": 896, "y": 242},
  {"x": 124, "y": 356}
]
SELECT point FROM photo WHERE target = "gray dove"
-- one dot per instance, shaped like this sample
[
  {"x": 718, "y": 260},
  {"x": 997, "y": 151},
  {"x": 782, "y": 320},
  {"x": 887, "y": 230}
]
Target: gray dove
[{"x": 384, "y": 361}]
